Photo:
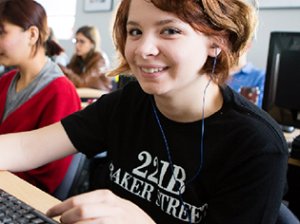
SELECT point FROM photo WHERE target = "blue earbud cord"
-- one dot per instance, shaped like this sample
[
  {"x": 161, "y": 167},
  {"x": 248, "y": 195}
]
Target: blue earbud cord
[{"x": 167, "y": 148}]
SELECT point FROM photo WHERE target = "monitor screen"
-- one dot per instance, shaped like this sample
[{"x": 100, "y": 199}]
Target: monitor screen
[{"x": 282, "y": 86}]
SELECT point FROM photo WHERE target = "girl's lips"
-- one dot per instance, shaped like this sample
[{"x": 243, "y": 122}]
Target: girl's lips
[{"x": 152, "y": 72}]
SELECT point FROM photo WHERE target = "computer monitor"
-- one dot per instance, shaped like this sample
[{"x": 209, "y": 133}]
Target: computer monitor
[{"x": 282, "y": 85}]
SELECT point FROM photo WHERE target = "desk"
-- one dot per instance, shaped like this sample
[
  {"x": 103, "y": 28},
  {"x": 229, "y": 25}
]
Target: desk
[
  {"x": 26, "y": 192},
  {"x": 89, "y": 93},
  {"x": 295, "y": 162}
]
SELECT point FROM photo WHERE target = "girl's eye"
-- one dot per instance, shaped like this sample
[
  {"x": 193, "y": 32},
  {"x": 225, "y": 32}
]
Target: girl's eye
[
  {"x": 171, "y": 31},
  {"x": 134, "y": 32}
]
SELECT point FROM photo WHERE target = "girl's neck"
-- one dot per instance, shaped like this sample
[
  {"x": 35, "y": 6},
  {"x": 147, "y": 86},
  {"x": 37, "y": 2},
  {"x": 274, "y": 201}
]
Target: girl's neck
[
  {"x": 187, "y": 106},
  {"x": 30, "y": 70}
]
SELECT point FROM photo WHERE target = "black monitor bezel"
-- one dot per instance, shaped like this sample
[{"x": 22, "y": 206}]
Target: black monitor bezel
[{"x": 272, "y": 74}]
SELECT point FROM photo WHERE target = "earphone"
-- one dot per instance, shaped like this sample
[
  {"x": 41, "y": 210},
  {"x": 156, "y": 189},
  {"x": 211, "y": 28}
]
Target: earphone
[{"x": 217, "y": 50}]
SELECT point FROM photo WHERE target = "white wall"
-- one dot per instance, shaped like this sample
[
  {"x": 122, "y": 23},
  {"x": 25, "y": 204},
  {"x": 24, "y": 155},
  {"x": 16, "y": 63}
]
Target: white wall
[{"x": 270, "y": 20}]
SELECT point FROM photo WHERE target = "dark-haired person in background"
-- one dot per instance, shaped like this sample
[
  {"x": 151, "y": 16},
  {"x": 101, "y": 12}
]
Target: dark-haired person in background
[
  {"x": 36, "y": 93},
  {"x": 88, "y": 65},
  {"x": 54, "y": 51},
  {"x": 247, "y": 79}
]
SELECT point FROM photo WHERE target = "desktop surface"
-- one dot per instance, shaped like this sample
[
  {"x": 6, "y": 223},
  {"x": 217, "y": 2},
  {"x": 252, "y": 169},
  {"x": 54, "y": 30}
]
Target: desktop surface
[
  {"x": 13, "y": 211},
  {"x": 26, "y": 192}
]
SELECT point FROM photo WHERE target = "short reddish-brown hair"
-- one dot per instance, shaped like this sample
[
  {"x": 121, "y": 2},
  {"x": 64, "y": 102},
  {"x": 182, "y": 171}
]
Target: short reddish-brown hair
[{"x": 230, "y": 22}]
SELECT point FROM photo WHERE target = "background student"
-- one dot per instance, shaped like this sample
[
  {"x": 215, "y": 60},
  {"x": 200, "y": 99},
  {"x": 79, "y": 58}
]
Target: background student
[
  {"x": 88, "y": 65},
  {"x": 247, "y": 79},
  {"x": 54, "y": 51},
  {"x": 182, "y": 146},
  {"x": 36, "y": 93}
]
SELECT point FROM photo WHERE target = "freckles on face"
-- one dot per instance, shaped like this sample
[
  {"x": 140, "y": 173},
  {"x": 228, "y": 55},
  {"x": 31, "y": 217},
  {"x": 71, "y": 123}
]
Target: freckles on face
[
  {"x": 128, "y": 51},
  {"x": 154, "y": 32},
  {"x": 164, "y": 53}
]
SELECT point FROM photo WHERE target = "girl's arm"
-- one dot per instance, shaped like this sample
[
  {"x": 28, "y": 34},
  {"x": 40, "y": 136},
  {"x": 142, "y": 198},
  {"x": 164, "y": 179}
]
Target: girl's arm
[{"x": 27, "y": 150}]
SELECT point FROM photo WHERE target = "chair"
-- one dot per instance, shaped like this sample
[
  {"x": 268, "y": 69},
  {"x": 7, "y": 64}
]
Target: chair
[
  {"x": 285, "y": 216},
  {"x": 72, "y": 177},
  {"x": 98, "y": 171}
]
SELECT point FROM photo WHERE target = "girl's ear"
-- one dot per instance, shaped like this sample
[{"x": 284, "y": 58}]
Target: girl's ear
[
  {"x": 33, "y": 32},
  {"x": 214, "y": 50},
  {"x": 215, "y": 47}
]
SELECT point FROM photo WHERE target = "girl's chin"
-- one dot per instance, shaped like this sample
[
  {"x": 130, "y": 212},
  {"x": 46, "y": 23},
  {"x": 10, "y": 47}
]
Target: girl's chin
[
  {"x": 79, "y": 54},
  {"x": 153, "y": 89}
]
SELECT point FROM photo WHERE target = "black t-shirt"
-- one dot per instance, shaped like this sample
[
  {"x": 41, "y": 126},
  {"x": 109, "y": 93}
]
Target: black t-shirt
[{"x": 243, "y": 160}]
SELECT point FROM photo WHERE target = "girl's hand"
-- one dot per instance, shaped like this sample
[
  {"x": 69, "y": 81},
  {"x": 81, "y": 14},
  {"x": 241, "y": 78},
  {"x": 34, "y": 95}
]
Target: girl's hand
[{"x": 100, "y": 206}]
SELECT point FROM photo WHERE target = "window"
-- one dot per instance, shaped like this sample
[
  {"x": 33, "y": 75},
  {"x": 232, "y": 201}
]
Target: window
[{"x": 61, "y": 16}]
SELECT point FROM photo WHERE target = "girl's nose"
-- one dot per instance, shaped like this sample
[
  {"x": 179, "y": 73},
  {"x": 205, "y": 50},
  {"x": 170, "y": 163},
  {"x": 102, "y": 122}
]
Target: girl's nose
[{"x": 147, "y": 47}]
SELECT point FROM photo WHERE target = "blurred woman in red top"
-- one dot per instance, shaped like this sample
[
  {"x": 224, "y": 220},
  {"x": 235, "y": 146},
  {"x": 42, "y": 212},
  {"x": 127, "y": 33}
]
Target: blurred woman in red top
[{"x": 36, "y": 93}]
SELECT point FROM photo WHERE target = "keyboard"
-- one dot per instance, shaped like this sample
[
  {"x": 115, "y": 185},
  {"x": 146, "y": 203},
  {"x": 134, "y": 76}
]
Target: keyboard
[{"x": 15, "y": 211}]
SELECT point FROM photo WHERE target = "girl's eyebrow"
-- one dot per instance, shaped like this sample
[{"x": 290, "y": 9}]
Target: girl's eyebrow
[
  {"x": 132, "y": 23},
  {"x": 158, "y": 23}
]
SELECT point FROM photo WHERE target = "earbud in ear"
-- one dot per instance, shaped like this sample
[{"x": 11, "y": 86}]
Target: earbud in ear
[{"x": 217, "y": 51}]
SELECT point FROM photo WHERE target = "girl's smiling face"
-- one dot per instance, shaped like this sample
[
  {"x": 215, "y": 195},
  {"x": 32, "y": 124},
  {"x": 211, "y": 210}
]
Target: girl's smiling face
[{"x": 164, "y": 53}]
